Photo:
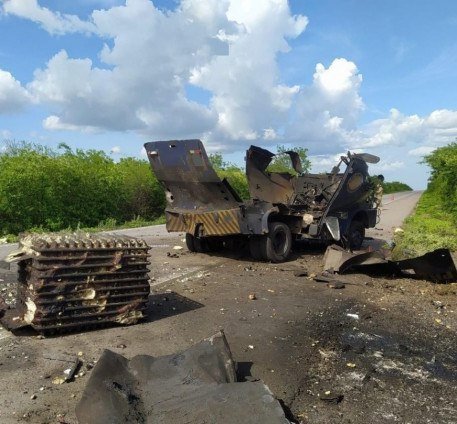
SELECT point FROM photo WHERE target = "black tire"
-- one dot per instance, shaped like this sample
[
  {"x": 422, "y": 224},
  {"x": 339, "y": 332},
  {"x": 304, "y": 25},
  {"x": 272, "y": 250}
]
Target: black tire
[
  {"x": 355, "y": 235},
  {"x": 214, "y": 244},
  {"x": 255, "y": 248},
  {"x": 276, "y": 245},
  {"x": 201, "y": 245},
  {"x": 190, "y": 242},
  {"x": 196, "y": 244}
]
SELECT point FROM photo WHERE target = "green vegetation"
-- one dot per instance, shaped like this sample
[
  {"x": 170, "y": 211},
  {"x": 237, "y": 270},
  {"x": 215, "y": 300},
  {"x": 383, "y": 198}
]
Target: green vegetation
[
  {"x": 395, "y": 187},
  {"x": 434, "y": 223},
  {"x": 443, "y": 178},
  {"x": 236, "y": 175},
  {"x": 281, "y": 162},
  {"x": 49, "y": 190}
]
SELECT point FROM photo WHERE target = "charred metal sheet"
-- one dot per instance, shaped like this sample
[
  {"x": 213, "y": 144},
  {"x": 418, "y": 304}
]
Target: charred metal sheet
[
  {"x": 188, "y": 177},
  {"x": 78, "y": 281},
  {"x": 269, "y": 187},
  {"x": 437, "y": 266},
  {"x": 195, "y": 386},
  {"x": 317, "y": 194},
  {"x": 194, "y": 192}
]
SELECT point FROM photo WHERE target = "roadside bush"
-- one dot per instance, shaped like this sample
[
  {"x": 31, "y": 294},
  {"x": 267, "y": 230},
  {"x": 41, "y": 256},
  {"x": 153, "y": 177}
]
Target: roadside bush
[
  {"x": 442, "y": 182},
  {"x": 54, "y": 190},
  {"x": 395, "y": 187}
]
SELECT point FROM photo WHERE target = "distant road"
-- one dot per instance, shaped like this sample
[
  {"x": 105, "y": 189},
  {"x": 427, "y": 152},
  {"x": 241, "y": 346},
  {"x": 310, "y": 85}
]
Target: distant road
[{"x": 395, "y": 208}]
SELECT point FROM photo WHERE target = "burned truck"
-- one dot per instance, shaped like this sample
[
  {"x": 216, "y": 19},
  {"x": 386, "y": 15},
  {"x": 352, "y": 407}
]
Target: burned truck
[{"x": 283, "y": 207}]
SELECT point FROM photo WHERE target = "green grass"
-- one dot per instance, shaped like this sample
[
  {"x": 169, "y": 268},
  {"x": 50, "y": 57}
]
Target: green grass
[
  {"x": 429, "y": 228},
  {"x": 108, "y": 225}
]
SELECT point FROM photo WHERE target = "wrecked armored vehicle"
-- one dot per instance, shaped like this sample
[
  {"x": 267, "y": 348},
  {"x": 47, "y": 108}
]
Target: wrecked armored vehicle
[{"x": 335, "y": 206}]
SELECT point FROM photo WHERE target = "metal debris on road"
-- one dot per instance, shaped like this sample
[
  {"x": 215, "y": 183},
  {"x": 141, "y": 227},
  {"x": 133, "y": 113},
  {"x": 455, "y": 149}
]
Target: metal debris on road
[
  {"x": 437, "y": 266},
  {"x": 194, "y": 386},
  {"x": 68, "y": 366}
]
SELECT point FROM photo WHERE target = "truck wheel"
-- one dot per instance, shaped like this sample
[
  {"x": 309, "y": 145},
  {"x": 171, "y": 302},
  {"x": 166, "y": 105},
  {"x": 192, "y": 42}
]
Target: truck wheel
[
  {"x": 356, "y": 235},
  {"x": 190, "y": 242},
  {"x": 201, "y": 245},
  {"x": 255, "y": 247},
  {"x": 214, "y": 244},
  {"x": 276, "y": 245},
  {"x": 196, "y": 244}
]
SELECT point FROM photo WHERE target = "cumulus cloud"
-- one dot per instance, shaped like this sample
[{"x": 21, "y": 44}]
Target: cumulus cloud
[
  {"x": 326, "y": 112},
  {"x": 421, "y": 151},
  {"x": 13, "y": 97},
  {"x": 227, "y": 48},
  {"x": 438, "y": 128},
  {"x": 53, "y": 22}
]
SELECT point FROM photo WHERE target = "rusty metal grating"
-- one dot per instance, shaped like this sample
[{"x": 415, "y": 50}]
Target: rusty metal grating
[{"x": 75, "y": 282}]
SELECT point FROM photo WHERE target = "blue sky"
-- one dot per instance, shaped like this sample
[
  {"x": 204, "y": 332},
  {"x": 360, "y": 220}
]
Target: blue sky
[{"x": 329, "y": 75}]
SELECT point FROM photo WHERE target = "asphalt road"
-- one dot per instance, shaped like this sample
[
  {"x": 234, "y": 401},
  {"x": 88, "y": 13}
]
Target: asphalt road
[
  {"x": 394, "y": 209},
  {"x": 387, "y": 346}
]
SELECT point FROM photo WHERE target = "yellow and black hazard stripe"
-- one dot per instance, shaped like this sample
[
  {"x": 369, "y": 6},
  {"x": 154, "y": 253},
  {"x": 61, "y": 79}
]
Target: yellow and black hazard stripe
[{"x": 216, "y": 223}]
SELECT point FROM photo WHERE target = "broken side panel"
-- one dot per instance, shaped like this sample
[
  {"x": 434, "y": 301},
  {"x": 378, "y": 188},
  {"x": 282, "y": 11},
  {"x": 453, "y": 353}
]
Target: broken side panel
[
  {"x": 188, "y": 177},
  {"x": 196, "y": 196},
  {"x": 274, "y": 187}
]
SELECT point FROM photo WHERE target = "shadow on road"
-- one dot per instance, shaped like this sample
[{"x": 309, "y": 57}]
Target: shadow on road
[{"x": 164, "y": 305}]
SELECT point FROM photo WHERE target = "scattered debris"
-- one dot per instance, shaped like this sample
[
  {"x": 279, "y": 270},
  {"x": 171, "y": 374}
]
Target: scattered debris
[
  {"x": 336, "y": 285},
  {"x": 437, "y": 266},
  {"x": 355, "y": 316},
  {"x": 350, "y": 365},
  {"x": 331, "y": 397},
  {"x": 69, "y": 363},
  {"x": 252, "y": 296},
  {"x": 76, "y": 281},
  {"x": 178, "y": 247},
  {"x": 197, "y": 385},
  {"x": 438, "y": 304}
]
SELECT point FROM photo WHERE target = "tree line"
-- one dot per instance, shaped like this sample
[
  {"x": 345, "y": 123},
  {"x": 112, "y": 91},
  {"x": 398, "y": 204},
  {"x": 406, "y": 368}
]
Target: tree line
[
  {"x": 46, "y": 189},
  {"x": 53, "y": 189}
]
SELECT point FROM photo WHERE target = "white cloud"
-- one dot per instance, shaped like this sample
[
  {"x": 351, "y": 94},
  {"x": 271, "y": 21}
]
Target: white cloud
[
  {"x": 54, "y": 123},
  {"x": 421, "y": 151},
  {"x": 227, "y": 47},
  {"x": 438, "y": 128},
  {"x": 13, "y": 97},
  {"x": 326, "y": 112},
  {"x": 387, "y": 166},
  {"x": 115, "y": 150},
  {"x": 53, "y": 22}
]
